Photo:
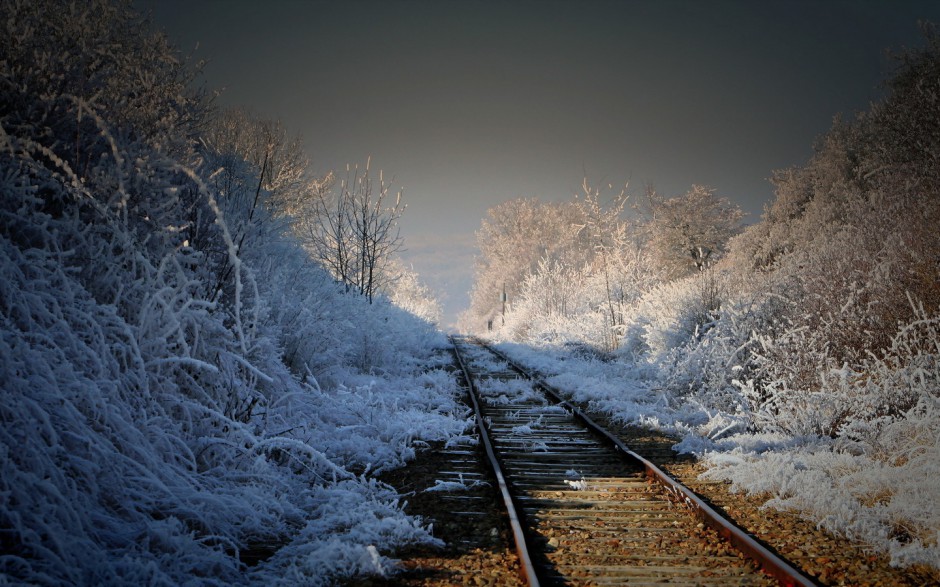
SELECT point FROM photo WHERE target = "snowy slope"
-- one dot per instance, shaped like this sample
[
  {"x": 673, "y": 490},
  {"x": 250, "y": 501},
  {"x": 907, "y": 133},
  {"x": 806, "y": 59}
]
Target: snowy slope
[{"x": 179, "y": 382}]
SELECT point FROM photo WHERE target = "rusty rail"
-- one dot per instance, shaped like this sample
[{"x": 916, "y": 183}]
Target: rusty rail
[{"x": 525, "y": 561}]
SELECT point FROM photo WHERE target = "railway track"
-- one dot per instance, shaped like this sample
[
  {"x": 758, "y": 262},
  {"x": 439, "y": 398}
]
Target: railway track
[{"x": 585, "y": 509}]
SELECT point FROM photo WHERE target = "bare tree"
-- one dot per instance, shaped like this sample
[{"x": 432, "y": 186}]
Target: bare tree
[{"x": 353, "y": 230}]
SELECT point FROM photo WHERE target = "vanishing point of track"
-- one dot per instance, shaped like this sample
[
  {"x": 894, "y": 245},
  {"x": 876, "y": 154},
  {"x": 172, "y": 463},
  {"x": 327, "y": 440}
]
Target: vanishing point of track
[{"x": 585, "y": 509}]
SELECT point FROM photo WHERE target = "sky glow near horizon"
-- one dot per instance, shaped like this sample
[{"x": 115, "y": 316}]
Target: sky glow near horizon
[{"x": 470, "y": 104}]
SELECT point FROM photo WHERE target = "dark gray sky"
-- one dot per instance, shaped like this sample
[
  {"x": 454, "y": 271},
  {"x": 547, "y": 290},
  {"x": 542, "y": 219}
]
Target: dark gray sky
[{"x": 469, "y": 103}]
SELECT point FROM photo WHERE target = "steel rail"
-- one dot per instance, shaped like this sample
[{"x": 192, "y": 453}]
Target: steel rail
[
  {"x": 785, "y": 573},
  {"x": 522, "y": 551}
]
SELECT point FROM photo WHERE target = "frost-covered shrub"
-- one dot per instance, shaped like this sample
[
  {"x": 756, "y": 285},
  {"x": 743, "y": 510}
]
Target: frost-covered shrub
[
  {"x": 305, "y": 310},
  {"x": 706, "y": 368},
  {"x": 670, "y": 315},
  {"x": 552, "y": 307},
  {"x": 875, "y": 481},
  {"x": 833, "y": 307},
  {"x": 162, "y": 339},
  {"x": 872, "y": 481},
  {"x": 109, "y": 424},
  {"x": 406, "y": 291},
  {"x": 905, "y": 380}
]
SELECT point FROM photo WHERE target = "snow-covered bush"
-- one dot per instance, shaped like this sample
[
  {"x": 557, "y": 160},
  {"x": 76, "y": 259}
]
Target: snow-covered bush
[
  {"x": 180, "y": 383},
  {"x": 407, "y": 292},
  {"x": 671, "y": 314},
  {"x": 550, "y": 306},
  {"x": 876, "y": 480}
]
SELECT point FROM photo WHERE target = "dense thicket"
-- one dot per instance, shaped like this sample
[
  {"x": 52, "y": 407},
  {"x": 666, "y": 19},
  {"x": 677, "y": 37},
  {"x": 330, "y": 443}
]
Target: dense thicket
[{"x": 175, "y": 369}]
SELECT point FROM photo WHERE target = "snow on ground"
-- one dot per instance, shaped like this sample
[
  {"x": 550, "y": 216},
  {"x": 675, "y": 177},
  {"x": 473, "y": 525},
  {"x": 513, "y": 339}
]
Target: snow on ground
[{"x": 113, "y": 473}]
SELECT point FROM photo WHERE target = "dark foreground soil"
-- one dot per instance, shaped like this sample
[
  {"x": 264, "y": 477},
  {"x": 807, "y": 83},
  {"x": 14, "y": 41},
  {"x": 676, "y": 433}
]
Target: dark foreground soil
[{"x": 478, "y": 549}]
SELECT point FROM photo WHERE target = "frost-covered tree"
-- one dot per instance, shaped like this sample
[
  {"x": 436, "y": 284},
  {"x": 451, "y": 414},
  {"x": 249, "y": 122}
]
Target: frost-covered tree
[
  {"x": 570, "y": 270},
  {"x": 908, "y": 120},
  {"x": 261, "y": 177},
  {"x": 607, "y": 236},
  {"x": 99, "y": 68},
  {"x": 513, "y": 239},
  {"x": 687, "y": 233},
  {"x": 276, "y": 157}
]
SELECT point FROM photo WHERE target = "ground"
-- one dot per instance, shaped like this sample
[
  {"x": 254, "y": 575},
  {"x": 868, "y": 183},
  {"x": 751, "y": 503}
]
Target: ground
[{"x": 479, "y": 552}]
